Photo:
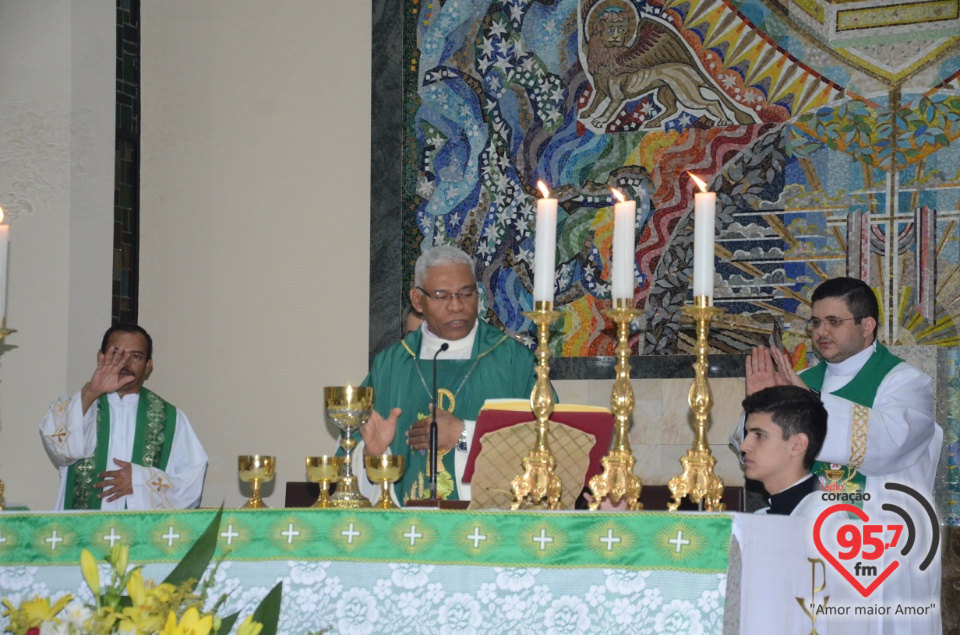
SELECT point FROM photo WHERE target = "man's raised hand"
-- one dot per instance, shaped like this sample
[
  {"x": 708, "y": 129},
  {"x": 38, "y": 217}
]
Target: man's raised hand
[
  {"x": 785, "y": 367},
  {"x": 761, "y": 370},
  {"x": 108, "y": 377},
  {"x": 378, "y": 432}
]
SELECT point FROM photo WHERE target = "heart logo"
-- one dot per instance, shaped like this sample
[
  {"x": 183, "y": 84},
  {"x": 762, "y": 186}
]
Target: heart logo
[{"x": 862, "y": 515}]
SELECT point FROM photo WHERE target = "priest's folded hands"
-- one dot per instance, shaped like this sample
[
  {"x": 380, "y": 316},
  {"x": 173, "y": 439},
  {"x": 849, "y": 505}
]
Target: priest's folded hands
[{"x": 449, "y": 429}]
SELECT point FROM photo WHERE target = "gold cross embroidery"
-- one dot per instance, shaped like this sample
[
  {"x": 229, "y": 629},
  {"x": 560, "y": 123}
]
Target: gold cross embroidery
[
  {"x": 59, "y": 436},
  {"x": 160, "y": 485}
]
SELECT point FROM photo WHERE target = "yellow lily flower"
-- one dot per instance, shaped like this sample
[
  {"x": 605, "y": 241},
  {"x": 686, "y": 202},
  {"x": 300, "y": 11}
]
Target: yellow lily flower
[
  {"x": 38, "y": 610},
  {"x": 249, "y": 627},
  {"x": 135, "y": 620},
  {"x": 120, "y": 556},
  {"x": 136, "y": 588},
  {"x": 88, "y": 566},
  {"x": 190, "y": 624}
]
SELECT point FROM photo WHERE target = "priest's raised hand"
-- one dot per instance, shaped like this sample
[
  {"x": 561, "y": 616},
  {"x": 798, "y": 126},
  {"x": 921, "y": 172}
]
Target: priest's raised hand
[
  {"x": 112, "y": 374},
  {"x": 378, "y": 433}
]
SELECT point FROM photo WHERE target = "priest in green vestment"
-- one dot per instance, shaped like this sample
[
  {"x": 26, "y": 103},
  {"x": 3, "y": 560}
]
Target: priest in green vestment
[
  {"x": 479, "y": 363},
  {"x": 119, "y": 446}
]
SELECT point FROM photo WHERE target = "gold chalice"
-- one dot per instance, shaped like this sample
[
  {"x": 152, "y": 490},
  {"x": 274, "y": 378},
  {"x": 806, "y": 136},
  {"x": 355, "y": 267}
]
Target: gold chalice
[
  {"x": 833, "y": 475},
  {"x": 385, "y": 469},
  {"x": 256, "y": 468},
  {"x": 348, "y": 407},
  {"x": 324, "y": 470}
]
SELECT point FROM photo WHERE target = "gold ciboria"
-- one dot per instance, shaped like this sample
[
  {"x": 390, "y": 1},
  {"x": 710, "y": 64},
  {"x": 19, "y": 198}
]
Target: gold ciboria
[
  {"x": 539, "y": 481},
  {"x": 698, "y": 480},
  {"x": 617, "y": 481}
]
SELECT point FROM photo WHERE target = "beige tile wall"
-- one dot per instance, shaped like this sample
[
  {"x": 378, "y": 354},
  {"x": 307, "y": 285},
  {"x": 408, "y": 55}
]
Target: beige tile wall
[{"x": 662, "y": 429}]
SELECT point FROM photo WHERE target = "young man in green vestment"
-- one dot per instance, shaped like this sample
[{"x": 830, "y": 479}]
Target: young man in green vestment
[
  {"x": 118, "y": 445},
  {"x": 880, "y": 426},
  {"x": 479, "y": 363}
]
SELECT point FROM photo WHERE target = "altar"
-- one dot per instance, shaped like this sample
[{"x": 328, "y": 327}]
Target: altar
[{"x": 367, "y": 571}]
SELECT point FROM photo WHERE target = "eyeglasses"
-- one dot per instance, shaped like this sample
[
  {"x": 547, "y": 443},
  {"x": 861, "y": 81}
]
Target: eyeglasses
[
  {"x": 463, "y": 295},
  {"x": 814, "y": 323}
]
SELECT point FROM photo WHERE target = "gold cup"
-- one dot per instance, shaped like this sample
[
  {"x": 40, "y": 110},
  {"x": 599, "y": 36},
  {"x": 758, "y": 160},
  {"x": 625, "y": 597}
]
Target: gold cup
[
  {"x": 324, "y": 470},
  {"x": 256, "y": 469},
  {"x": 385, "y": 469},
  {"x": 348, "y": 408}
]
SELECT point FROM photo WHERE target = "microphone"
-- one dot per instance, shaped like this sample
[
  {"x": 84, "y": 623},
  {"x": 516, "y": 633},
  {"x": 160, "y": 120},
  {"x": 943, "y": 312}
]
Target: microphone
[{"x": 433, "y": 426}]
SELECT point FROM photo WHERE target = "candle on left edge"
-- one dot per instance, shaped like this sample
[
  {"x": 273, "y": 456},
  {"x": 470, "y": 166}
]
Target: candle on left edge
[
  {"x": 544, "y": 246},
  {"x": 624, "y": 279},
  {"x": 4, "y": 238}
]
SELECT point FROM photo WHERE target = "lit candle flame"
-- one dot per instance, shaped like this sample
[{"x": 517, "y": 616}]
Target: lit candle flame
[
  {"x": 699, "y": 182},
  {"x": 1, "y": 214},
  {"x": 543, "y": 189},
  {"x": 618, "y": 195}
]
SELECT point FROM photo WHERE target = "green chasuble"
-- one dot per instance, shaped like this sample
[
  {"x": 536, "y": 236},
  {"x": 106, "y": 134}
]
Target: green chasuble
[
  {"x": 156, "y": 424},
  {"x": 499, "y": 368},
  {"x": 861, "y": 390}
]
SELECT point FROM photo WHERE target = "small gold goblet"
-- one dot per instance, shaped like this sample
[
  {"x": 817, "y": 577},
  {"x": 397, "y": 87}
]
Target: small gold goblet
[
  {"x": 385, "y": 469},
  {"x": 324, "y": 470},
  {"x": 256, "y": 468}
]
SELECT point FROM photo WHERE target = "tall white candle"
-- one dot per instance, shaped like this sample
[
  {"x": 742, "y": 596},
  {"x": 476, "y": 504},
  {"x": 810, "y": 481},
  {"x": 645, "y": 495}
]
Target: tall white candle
[
  {"x": 704, "y": 221},
  {"x": 4, "y": 238},
  {"x": 544, "y": 246},
  {"x": 624, "y": 280}
]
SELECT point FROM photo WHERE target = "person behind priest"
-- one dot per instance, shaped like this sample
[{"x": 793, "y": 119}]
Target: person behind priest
[
  {"x": 480, "y": 363},
  {"x": 411, "y": 320},
  {"x": 785, "y": 427},
  {"x": 118, "y": 445},
  {"x": 881, "y": 421}
]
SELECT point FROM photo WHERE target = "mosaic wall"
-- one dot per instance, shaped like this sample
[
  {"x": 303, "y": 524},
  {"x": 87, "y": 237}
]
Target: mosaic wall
[{"x": 825, "y": 131}]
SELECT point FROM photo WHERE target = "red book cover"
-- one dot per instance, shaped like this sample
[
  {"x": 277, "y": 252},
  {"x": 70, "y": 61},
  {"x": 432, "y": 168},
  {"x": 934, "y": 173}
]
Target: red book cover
[{"x": 591, "y": 419}]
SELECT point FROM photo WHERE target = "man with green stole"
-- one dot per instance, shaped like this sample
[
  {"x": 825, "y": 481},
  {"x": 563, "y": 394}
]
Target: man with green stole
[
  {"x": 880, "y": 430},
  {"x": 479, "y": 363},
  {"x": 118, "y": 445}
]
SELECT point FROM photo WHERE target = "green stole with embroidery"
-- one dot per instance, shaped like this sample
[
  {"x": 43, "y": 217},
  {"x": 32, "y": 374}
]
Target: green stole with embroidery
[
  {"x": 156, "y": 424},
  {"x": 862, "y": 389}
]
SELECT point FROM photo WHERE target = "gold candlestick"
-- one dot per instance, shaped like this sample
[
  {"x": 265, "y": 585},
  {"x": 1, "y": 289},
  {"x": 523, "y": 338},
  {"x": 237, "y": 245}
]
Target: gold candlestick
[
  {"x": 4, "y": 332},
  {"x": 698, "y": 480},
  {"x": 539, "y": 480},
  {"x": 618, "y": 480}
]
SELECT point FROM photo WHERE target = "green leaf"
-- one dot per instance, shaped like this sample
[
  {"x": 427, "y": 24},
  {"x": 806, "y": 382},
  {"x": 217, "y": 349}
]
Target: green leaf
[
  {"x": 195, "y": 562},
  {"x": 268, "y": 613},
  {"x": 226, "y": 624}
]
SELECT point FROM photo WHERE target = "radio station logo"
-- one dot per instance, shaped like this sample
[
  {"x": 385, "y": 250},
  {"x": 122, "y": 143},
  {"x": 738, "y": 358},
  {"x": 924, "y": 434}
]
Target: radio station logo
[{"x": 856, "y": 550}]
